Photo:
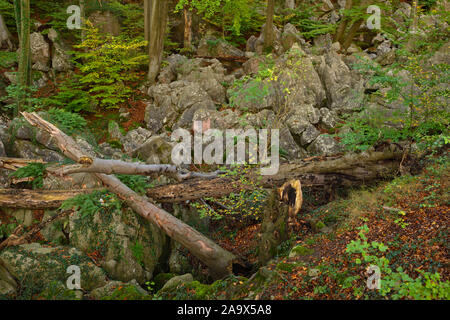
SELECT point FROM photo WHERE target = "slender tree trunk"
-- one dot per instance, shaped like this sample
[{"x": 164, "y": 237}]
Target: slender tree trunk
[
  {"x": 343, "y": 25},
  {"x": 157, "y": 13},
  {"x": 83, "y": 20},
  {"x": 24, "y": 74},
  {"x": 413, "y": 28},
  {"x": 187, "y": 28},
  {"x": 147, "y": 22},
  {"x": 269, "y": 34},
  {"x": 354, "y": 28}
]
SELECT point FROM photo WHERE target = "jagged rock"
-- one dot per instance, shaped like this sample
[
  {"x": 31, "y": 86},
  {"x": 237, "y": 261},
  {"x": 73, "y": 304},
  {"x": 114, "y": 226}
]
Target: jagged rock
[
  {"x": 40, "y": 52},
  {"x": 106, "y": 22},
  {"x": 37, "y": 266},
  {"x": 170, "y": 101},
  {"x": 384, "y": 47},
  {"x": 209, "y": 74},
  {"x": 344, "y": 87},
  {"x": 169, "y": 72},
  {"x": 251, "y": 42},
  {"x": 72, "y": 181},
  {"x": 211, "y": 46},
  {"x": 277, "y": 47},
  {"x": 11, "y": 76},
  {"x": 60, "y": 58},
  {"x": 155, "y": 150},
  {"x": 134, "y": 139},
  {"x": 324, "y": 145},
  {"x": 130, "y": 246},
  {"x": 26, "y": 132},
  {"x": 402, "y": 13},
  {"x": 252, "y": 65},
  {"x": 309, "y": 135},
  {"x": 328, "y": 119},
  {"x": 263, "y": 119},
  {"x": 28, "y": 150},
  {"x": 289, "y": 146},
  {"x": 5, "y": 36},
  {"x": 442, "y": 56},
  {"x": 290, "y": 36}
]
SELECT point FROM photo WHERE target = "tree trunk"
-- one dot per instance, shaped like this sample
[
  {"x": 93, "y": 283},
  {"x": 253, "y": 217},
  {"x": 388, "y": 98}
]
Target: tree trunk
[
  {"x": 353, "y": 29},
  {"x": 269, "y": 34},
  {"x": 157, "y": 12},
  {"x": 24, "y": 74},
  {"x": 413, "y": 28},
  {"x": 37, "y": 199},
  {"x": 349, "y": 170},
  {"x": 187, "y": 43},
  {"x": 216, "y": 258},
  {"x": 83, "y": 20},
  {"x": 343, "y": 25}
]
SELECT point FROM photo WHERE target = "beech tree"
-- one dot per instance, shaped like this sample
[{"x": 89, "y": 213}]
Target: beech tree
[
  {"x": 155, "y": 22},
  {"x": 269, "y": 35},
  {"x": 22, "y": 11}
]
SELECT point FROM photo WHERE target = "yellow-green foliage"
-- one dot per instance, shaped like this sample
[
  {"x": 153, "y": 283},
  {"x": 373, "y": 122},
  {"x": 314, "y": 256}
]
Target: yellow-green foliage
[{"x": 108, "y": 64}]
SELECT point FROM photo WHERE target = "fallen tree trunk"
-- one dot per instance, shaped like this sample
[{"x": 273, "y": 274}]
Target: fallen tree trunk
[
  {"x": 216, "y": 258},
  {"x": 16, "y": 163},
  {"x": 347, "y": 170},
  {"x": 131, "y": 168},
  {"x": 37, "y": 199}
]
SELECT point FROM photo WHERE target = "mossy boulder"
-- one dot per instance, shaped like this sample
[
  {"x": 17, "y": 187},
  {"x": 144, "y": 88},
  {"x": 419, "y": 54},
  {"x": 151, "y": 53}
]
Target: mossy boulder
[
  {"x": 175, "y": 282},
  {"x": 129, "y": 247},
  {"x": 161, "y": 279},
  {"x": 56, "y": 290},
  {"x": 117, "y": 290},
  {"x": 299, "y": 251},
  {"x": 35, "y": 267}
]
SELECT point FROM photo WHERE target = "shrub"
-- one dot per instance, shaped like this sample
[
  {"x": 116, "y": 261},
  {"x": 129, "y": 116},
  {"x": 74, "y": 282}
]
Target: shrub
[{"x": 107, "y": 64}]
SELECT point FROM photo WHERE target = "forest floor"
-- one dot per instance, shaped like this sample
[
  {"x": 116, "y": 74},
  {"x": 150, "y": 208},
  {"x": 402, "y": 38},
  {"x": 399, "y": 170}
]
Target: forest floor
[{"x": 409, "y": 215}]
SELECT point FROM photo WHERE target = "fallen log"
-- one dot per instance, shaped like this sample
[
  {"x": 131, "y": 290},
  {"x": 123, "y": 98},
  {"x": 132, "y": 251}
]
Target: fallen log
[
  {"x": 107, "y": 166},
  {"x": 37, "y": 199},
  {"x": 216, "y": 258},
  {"x": 347, "y": 170},
  {"x": 16, "y": 163}
]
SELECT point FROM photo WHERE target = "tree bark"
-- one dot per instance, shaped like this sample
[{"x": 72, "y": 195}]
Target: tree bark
[
  {"x": 216, "y": 258},
  {"x": 36, "y": 199},
  {"x": 24, "y": 72},
  {"x": 187, "y": 43},
  {"x": 348, "y": 170},
  {"x": 156, "y": 15},
  {"x": 269, "y": 35},
  {"x": 343, "y": 25},
  {"x": 353, "y": 29}
]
